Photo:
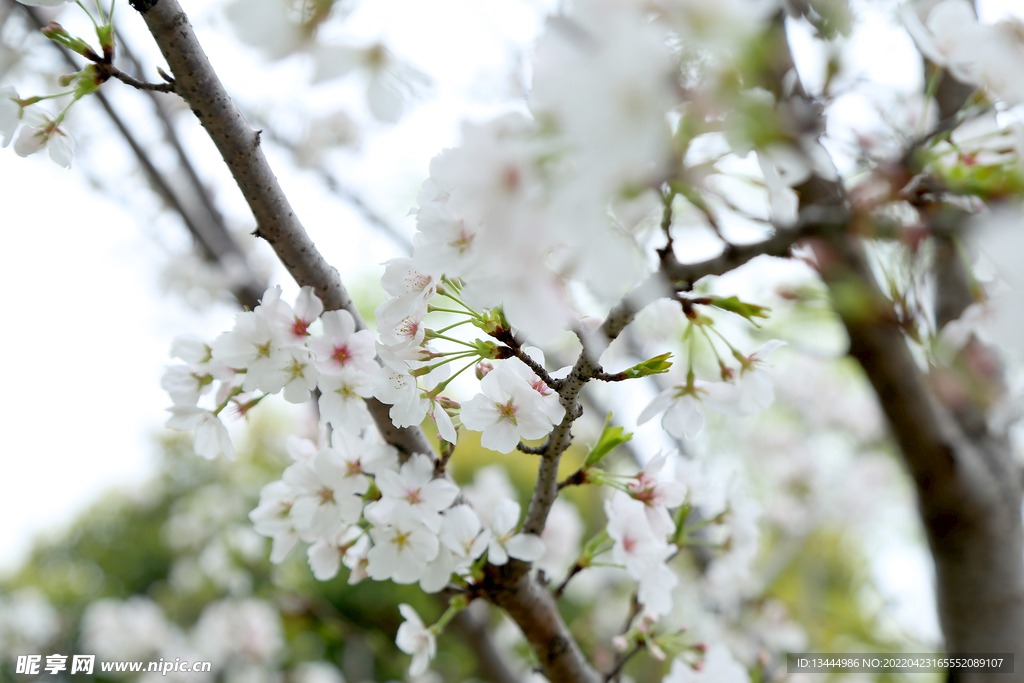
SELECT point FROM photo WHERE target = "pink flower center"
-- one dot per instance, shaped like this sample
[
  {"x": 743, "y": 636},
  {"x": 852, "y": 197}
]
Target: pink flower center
[
  {"x": 409, "y": 328},
  {"x": 326, "y": 495},
  {"x": 341, "y": 354},
  {"x": 646, "y": 496},
  {"x": 413, "y": 496},
  {"x": 540, "y": 387},
  {"x": 300, "y": 328}
]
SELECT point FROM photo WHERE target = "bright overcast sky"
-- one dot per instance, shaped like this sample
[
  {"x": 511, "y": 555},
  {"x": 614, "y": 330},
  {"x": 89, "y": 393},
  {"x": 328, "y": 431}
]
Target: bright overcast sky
[{"x": 87, "y": 331}]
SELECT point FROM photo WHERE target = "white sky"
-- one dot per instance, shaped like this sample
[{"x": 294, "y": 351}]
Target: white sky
[{"x": 87, "y": 333}]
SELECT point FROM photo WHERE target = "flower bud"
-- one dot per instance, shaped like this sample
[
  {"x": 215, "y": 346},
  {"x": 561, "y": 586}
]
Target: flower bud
[{"x": 482, "y": 368}]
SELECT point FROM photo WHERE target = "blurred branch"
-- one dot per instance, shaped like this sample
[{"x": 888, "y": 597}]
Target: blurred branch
[
  {"x": 969, "y": 489},
  {"x": 337, "y": 188},
  {"x": 211, "y": 234},
  {"x": 491, "y": 665}
]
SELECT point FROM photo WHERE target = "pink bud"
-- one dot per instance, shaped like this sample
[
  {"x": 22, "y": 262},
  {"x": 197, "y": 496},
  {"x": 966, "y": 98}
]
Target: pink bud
[{"x": 482, "y": 368}]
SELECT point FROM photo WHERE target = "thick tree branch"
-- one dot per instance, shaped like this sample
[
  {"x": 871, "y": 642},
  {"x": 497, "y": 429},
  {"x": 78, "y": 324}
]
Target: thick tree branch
[
  {"x": 969, "y": 487},
  {"x": 535, "y": 610},
  {"x": 197, "y": 83}
]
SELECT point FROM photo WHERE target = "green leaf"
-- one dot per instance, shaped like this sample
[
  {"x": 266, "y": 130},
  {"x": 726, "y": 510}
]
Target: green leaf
[
  {"x": 742, "y": 308},
  {"x": 651, "y": 366},
  {"x": 609, "y": 439}
]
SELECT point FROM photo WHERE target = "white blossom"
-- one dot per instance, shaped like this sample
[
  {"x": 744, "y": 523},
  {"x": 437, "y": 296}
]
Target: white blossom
[
  {"x": 211, "y": 439},
  {"x": 642, "y": 552},
  {"x": 342, "y": 399},
  {"x": 401, "y": 551},
  {"x": 681, "y": 405},
  {"x": 415, "y": 639},
  {"x": 462, "y": 533},
  {"x": 657, "y": 494},
  {"x": 325, "y": 555},
  {"x": 327, "y": 493},
  {"x": 508, "y": 410},
  {"x": 412, "y": 491},
  {"x": 505, "y": 543},
  {"x": 253, "y": 344},
  {"x": 341, "y": 347},
  {"x": 272, "y": 518},
  {"x": 39, "y": 133}
]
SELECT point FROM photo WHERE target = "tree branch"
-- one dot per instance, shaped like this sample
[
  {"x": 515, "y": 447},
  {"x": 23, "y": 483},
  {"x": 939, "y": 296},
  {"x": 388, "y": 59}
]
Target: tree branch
[
  {"x": 535, "y": 610},
  {"x": 112, "y": 70},
  {"x": 197, "y": 83},
  {"x": 969, "y": 489}
]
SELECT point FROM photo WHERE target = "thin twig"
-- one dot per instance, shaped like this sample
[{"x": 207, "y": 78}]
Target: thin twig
[
  {"x": 537, "y": 368},
  {"x": 621, "y": 661},
  {"x": 576, "y": 569},
  {"x": 111, "y": 70}
]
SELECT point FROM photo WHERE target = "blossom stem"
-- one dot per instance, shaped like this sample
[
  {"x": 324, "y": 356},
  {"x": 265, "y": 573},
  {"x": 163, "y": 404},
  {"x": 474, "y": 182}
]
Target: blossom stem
[
  {"x": 64, "y": 112},
  {"x": 438, "y": 309},
  {"x": 426, "y": 370},
  {"x": 87, "y": 13},
  {"x": 701, "y": 542},
  {"x": 455, "y": 605},
  {"x": 443, "y": 385},
  {"x": 445, "y": 329},
  {"x": 438, "y": 335},
  {"x": 456, "y": 299},
  {"x": 39, "y": 98},
  {"x": 721, "y": 364},
  {"x": 576, "y": 569},
  {"x": 689, "y": 357},
  {"x": 224, "y": 405},
  {"x": 735, "y": 352},
  {"x": 452, "y": 283}
]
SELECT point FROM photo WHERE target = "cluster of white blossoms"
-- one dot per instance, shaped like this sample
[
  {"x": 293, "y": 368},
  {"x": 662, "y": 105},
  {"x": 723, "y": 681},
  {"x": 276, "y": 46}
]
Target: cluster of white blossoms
[
  {"x": 269, "y": 350},
  {"x": 409, "y": 530},
  {"x": 514, "y": 402},
  {"x": 639, "y": 525},
  {"x": 522, "y": 204}
]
